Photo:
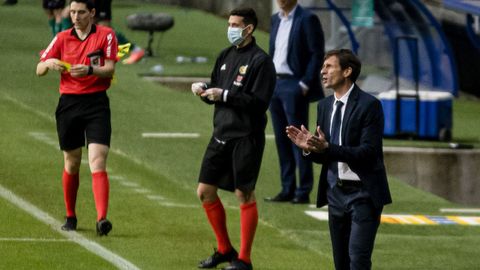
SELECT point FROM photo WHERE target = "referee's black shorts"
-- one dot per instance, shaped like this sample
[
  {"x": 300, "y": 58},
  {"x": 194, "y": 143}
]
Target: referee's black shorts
[
  {"x": 233, "y": 164},
  {"x": 53, "y": 4},
  {"x": 83, "y": 117},
  {"x": 103, "y": 10}
]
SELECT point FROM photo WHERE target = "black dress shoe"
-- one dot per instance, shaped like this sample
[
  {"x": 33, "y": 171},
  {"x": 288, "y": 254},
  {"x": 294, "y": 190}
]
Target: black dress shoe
[
  {"x": 279, "y": 198},
  {"x": 218, "y": 258},
  {"x": 301, "y": 200},
  {"x": 239, "y": 265}
]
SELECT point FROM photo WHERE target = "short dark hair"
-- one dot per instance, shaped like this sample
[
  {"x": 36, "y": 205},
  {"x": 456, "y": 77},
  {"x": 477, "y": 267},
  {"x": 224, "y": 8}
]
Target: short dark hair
[
  {"x": 346, "y": 59},
  {"x": 89, "y": 3},
  {"x": 248, "y": 14}
]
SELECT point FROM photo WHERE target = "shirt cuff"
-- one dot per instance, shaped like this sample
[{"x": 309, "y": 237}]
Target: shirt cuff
[
  {"x": 224, "y": 95},
  {"x": 305, "y": 153},
  {"x": 303, "y": 86}
]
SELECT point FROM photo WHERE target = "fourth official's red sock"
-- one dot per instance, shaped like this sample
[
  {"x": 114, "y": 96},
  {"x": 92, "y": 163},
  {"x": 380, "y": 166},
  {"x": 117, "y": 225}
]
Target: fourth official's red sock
[
  {"x": 100, "y": 187},
  {"x": 70, "y": 184},
  {"x": 218, "y": 220},
  {"x": 248, "y": 226}
]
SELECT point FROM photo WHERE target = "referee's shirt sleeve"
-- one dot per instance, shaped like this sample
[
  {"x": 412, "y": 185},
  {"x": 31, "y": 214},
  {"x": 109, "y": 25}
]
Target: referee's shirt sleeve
[{"x": 53, "y": 50}]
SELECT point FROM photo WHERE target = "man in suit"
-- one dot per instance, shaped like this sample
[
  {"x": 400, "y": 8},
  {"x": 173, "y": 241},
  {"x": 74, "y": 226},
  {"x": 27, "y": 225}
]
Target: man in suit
[
  {"x": 297, "y": 48},
  {"x": 348, "y": 142}
]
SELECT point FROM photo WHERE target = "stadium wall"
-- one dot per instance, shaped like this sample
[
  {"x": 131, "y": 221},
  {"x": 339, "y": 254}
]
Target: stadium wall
[{"x": 449, "y": 173}]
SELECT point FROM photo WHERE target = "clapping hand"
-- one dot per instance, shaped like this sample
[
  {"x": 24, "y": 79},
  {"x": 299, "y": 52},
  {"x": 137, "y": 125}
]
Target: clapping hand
[
  {"x": 299, "y": 137},
  {"x": 307, "y": 141},
  {"x": 317, "y": 143}
]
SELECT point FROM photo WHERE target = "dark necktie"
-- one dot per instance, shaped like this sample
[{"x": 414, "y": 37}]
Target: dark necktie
[{"x": 335, "y": 139}]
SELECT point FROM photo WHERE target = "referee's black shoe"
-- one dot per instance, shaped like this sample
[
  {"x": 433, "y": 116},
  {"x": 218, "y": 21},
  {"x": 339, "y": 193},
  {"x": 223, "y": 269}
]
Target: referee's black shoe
[
  {"x": 103, "y": 227},
  {"x": 70, "y": 224},
  {"x": 218, "y": 258},
  {"x": 239, "y": 265}
]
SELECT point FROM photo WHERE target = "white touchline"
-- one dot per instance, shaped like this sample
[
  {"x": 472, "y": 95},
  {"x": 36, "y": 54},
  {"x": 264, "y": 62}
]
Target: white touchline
[
  {"x": 178, "y": 205},
  {"x": 183, "y": 135},
  {"x": 54, "y": 224},
  {"x": 170, "y": 135},
  {"x": 460, "y": 210},
  {"x": 16, "y": 239},
  {"x": 320, "y": 215},
  {"x": 156, "y": 197}
]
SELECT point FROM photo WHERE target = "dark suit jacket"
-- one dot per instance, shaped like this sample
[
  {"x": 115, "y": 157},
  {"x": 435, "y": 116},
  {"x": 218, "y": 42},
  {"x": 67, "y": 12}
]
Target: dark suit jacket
[
  {"x": 361, "y": 148},
  {"x": 306, "y": 48}
]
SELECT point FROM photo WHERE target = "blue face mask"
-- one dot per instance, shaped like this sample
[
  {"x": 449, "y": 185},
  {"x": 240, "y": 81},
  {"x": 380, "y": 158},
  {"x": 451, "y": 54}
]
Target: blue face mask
[{"x": 234, "y": 35}]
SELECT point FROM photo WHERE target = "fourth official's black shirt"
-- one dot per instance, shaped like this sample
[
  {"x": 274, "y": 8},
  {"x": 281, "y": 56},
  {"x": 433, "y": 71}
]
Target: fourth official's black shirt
[{"x": 248, "y": 74}]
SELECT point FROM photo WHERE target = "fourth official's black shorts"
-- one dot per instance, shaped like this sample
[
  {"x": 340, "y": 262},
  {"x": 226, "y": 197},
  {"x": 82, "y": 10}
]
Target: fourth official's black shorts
[
  {"x": 83, "y": 118},
  {"x": 233, "y": 164}
]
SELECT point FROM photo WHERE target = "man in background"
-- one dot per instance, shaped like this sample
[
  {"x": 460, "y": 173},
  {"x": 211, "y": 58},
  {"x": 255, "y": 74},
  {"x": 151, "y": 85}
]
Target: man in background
[
  {"x": 103, "y": 16},
  {"x": 297, "y": 48},
  {"x": 57, "y": 14}
]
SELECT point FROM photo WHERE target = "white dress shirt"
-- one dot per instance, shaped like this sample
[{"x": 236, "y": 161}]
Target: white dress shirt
[
  {"x": 281, "y": 43},
  {"x": 344, "y": 172}
]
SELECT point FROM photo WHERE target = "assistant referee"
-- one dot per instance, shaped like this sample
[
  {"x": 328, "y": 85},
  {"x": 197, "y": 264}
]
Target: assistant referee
[
  {"x": 85, "y": 56},
  {"x": 242, "y": 83}
]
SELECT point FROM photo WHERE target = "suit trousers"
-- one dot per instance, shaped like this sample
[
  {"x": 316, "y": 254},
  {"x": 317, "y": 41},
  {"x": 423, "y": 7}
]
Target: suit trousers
[
  {"x": 353, "y": 221},
  {"x": 288, "y": 106}
]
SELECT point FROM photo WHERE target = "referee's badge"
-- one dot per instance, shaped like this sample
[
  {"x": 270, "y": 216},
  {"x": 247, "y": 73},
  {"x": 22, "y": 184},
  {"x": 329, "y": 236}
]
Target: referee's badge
[{"x": 96, "y": 58}]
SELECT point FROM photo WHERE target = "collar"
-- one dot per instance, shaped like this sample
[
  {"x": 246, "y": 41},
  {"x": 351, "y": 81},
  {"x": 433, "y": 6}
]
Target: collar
[
  {"x": 246, "y": 47},
  {"x": 344, "y": 98},
  {"x": 281, "y": 14},
  {"x": 92, "y": 30}
]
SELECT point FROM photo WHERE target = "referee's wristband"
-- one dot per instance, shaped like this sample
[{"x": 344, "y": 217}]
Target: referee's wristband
[{"x": 90, "y": 70}]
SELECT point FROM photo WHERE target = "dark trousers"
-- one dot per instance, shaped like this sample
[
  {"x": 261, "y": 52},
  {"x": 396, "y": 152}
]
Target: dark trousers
[
  {"x": 289, "y": 107},
  {"x": 353, "y": 222}
]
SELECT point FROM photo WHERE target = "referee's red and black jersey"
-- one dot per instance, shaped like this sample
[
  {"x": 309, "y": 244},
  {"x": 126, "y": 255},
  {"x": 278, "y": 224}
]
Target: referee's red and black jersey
[{"x": 98, "y": 46}]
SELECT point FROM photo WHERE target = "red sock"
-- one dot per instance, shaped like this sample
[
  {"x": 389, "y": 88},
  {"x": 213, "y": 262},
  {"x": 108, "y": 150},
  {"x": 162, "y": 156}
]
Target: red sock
[
  {"x": 70, "y": 184},
  {"x": 248, "y": 225},
  {"x": 218, "y": 220},
  {"x": 100, "y": 189}
]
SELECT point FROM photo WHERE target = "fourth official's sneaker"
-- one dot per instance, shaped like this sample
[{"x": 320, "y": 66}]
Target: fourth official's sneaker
[
  {"x": 218, "y": 258},
  {"x": 239, "y": 265},
  {"x": 70, "y": 224},
  {"x": 103, "y": 227}
]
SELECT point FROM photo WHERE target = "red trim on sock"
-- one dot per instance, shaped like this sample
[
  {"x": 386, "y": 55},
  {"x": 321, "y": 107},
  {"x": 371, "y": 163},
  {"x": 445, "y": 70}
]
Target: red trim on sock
[
  {"x": 218, "y": 220},
  {"x": 70, "y": 183},
  {"x": 248, "y": 226},
  {"x": 100, "y": 187}
]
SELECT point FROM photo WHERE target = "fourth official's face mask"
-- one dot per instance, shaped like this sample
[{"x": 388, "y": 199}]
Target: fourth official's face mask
[{"x": 234, "y": 35}]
